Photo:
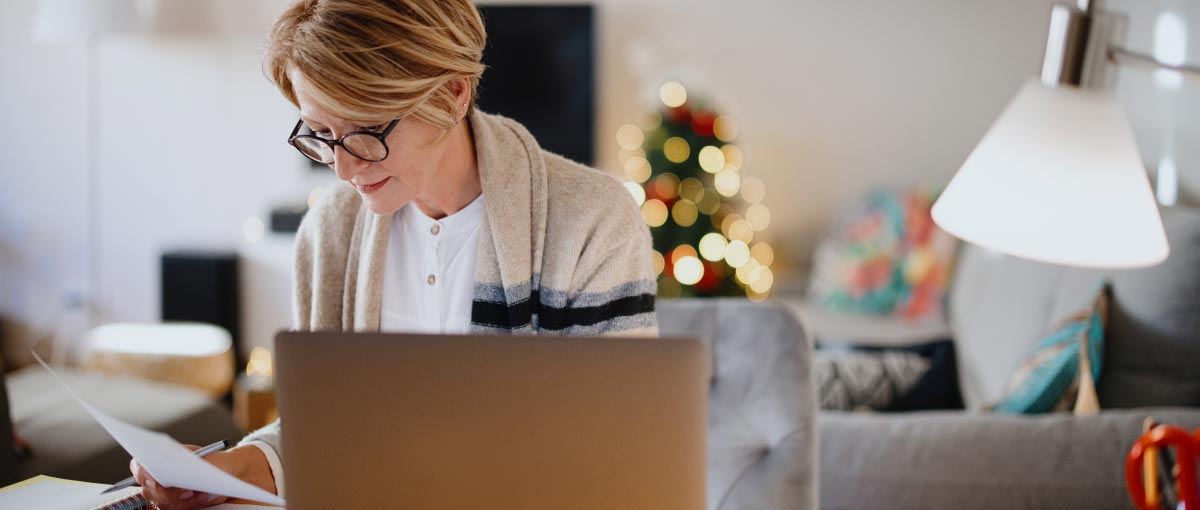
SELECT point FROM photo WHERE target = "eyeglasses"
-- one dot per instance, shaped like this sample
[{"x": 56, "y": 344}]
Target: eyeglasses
[{"x": 364, "y": 145}]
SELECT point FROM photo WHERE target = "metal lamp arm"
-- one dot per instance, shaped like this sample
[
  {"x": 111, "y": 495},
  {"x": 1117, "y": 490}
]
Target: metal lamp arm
[{"x": 1122, "y": 56}]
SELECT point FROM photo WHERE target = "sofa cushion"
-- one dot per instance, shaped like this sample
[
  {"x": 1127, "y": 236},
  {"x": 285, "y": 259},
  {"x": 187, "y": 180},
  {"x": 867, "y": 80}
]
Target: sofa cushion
[
  {"x": 1153, "y": 351},
  {"x": 1048, "y": 379},
  {"x": 999, "y": 309},
  {"x": 956, "y": 460}
]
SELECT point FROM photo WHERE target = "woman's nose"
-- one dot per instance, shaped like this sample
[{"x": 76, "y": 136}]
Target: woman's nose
[{"x": 346, "y": 165}]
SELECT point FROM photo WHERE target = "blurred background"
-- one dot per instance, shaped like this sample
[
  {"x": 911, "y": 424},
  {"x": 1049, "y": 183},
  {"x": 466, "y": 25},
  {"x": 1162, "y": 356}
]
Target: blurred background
[{"x": 131, "y": 146}]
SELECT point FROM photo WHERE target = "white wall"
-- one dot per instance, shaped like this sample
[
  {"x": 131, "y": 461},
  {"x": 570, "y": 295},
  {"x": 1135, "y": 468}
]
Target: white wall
[{"x": 833, "y": 97}]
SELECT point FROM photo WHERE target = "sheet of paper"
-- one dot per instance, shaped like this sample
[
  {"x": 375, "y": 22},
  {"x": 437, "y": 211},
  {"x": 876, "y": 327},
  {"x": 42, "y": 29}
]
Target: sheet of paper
[
  {"x": 231, "y": 506},
  {"x": 50, "y": 493},
  {"x": 169, "y": 462}
]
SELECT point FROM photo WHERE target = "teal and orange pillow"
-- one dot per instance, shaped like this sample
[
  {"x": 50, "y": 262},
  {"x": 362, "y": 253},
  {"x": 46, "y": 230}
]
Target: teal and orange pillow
[{"x": 1048, "y": 379}]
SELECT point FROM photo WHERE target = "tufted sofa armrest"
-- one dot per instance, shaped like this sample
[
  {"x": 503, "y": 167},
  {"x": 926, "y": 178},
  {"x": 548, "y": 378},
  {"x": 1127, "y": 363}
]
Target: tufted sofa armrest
[{"x": 762, "y": 447}]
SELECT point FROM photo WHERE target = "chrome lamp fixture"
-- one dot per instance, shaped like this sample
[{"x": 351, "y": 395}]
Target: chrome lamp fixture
[{"x": 1058, "y": 178}]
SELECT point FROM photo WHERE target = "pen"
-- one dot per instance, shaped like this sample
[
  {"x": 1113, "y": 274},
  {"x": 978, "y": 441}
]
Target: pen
[{"x": 203, "y": 452}]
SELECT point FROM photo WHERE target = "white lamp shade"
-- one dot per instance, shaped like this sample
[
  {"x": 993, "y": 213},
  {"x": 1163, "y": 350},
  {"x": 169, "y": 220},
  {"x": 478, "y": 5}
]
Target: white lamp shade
[
  {"x": 1057, "y": 179},
  {"x": 77, "y": 20}
]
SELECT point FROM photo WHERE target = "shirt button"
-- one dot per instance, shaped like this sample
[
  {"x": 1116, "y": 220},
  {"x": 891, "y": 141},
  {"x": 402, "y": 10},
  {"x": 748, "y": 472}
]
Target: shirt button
[
  {"x": 431, "y": 279},
  {"x": 435, "y": 229}
]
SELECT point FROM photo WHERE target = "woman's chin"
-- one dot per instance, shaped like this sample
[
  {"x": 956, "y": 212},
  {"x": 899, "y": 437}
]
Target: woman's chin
[{"x": 382, "y": 205}]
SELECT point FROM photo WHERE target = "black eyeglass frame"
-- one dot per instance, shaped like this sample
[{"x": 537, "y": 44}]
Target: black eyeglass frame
[{"x": 381, "y": 136}]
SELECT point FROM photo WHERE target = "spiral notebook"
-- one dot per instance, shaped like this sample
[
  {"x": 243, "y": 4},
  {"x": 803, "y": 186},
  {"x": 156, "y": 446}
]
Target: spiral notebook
[{"x": 58, "y": 494}]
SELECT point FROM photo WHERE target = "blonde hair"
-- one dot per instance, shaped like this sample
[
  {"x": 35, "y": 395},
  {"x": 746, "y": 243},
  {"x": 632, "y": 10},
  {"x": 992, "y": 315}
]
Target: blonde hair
[{"x": 371, "y": 59}]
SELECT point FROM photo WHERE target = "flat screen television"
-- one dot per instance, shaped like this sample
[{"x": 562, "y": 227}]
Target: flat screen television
[{"x": 541, "y": 72}]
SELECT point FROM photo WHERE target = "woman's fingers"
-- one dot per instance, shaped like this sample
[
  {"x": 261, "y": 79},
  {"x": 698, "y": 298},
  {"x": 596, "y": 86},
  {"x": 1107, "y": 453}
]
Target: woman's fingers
[{"x": 167, "y": 498}]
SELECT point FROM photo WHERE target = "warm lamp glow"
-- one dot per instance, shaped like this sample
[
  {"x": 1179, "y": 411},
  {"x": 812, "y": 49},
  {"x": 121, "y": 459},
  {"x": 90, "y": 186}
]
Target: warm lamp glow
[{"x": 1057, "y": 179}]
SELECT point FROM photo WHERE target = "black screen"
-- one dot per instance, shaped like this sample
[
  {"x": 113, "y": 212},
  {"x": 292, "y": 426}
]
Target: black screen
[{"x": 540, "y": 72}]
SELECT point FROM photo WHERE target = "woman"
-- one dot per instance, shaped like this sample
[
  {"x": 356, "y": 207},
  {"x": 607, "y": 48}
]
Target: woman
[{"x": 452, "y": 220}]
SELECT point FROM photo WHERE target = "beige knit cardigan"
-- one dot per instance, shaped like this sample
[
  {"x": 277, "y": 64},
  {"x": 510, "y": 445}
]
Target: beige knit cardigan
[{"x": 563, "y": 250}]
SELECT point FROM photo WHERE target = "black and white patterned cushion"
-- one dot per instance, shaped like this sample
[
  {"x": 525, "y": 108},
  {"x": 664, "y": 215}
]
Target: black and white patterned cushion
[{"x": 852, "y": 380}]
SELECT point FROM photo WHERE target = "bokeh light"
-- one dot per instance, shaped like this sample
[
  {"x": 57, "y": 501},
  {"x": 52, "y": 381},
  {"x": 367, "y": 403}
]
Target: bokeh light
[
  {"x": 749, "y": 272},
  {"x": 710, "y": 203},
  {"x": 630, "y": 137},
  {"x": 681, "y": 251},
  {"x": 656, "y": 260},
  {"x": 624, "y": 155},
  {"x": 649, "y": 119},
  {"x": 758, "y": 216},
  {"x": 692, "y": 189},
  {"x": 635, "y": 189},
  {"x": 637, "y": 169},
  {"x": 736, "y": 253},
  {"x": 684, "y": 212},
  {"x": 689, "y": 270},
  {"x": 712, "y": 246},
  {"x": 654, "y": 212},
  {"x": 740, "y": 229},
  {"x": 763, "y": 253},
  {"x": 764, "y": 281},
  {"x": 733, "y": 156},
  {"x": 673, "y": 94},
  {"x": 753, "y": 190},
  {"x": 666, "y": 186},
  {"x": 676, "y": 149},
  {"x": 712, "y": 160},
  {"x": 727, "y": 182},
  {"x": 725, "y": 128}
]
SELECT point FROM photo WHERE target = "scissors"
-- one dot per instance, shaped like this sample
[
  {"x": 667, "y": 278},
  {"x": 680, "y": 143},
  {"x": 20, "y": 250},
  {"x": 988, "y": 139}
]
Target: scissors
[{"x": 1159, "y": 439}]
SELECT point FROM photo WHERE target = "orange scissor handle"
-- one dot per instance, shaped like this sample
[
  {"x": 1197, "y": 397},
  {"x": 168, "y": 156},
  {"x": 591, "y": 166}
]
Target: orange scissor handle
[{"x": 1186, "y": 445}]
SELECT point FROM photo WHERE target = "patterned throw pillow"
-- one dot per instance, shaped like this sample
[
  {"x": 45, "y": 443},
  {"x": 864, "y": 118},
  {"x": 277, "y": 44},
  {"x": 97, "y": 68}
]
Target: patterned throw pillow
[
  {"x": 1048, "y": 379},
  {"x": 886, "y": 257},
  {"x": 853, "y": 380}
]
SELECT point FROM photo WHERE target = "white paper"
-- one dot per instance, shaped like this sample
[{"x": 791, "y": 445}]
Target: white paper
[
  {"x": 169, "y": 462},
  {"x": 55, "y": 494}
]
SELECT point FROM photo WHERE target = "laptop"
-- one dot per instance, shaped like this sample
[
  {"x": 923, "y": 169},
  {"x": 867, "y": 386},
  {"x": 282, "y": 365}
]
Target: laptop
[{"x": 378, "y": 420}]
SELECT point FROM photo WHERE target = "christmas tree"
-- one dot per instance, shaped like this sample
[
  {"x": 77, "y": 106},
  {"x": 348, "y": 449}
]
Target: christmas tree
[{"x": 705, "y": 214}]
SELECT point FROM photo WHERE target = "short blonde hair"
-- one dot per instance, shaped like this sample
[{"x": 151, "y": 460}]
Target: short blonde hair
[{"x": 370, "y": 59}]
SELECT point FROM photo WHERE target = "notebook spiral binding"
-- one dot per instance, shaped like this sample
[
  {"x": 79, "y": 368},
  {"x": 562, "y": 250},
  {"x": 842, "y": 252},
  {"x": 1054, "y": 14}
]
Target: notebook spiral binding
[{"x": 131, "y": 502}]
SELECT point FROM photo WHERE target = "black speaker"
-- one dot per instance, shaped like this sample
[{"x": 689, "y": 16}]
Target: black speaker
[{"x": 203, "y": 287}]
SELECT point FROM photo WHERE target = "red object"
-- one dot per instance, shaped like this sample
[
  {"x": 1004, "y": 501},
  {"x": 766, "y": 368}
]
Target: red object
[
  {"x": 708, "y": 282},
  {"x": 680, "y": 114},
  {"x": 702, "y": 123},
  {"x": 1161, "y": 437}
]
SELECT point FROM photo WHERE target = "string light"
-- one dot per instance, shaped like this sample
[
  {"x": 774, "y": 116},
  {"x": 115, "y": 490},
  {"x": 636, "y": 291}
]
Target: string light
[
  {"x": 630, "y": 137},
  {"x": 712, "y": 160},
  {"x": 673, "y": 94},
  {"x": 689, "y": 270},
  {"x": 676, "y": 149},
  {"x": 654, "y": 212},
  {"x": 712, "y": 246},
  {"x": 639, "y": 193}
]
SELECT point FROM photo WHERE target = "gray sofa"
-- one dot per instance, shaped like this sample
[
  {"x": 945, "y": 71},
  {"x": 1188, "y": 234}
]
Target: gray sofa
[
  {"x": 762, "y": 407},
  {"x": 999, "y": 308}
]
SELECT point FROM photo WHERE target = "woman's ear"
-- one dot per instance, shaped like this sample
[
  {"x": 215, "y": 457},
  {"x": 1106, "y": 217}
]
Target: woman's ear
[{"x": 461, "y": 88}]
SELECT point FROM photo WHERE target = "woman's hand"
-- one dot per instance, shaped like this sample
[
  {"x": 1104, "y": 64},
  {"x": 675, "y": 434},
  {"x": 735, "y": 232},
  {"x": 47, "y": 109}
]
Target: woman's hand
[{"x": 244, "y": 462}]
